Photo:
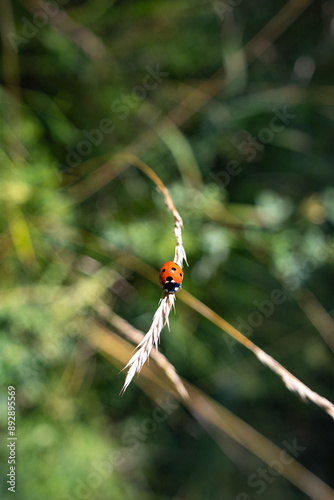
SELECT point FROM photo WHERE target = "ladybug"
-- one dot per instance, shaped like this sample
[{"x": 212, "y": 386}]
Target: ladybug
[{"x": 171, "y": 276}]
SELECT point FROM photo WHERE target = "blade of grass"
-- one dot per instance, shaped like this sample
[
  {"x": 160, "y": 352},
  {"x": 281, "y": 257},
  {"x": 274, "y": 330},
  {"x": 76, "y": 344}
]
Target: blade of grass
[
  {"x": 167, "y": 302},
  {"x": 290, "y": 381}
]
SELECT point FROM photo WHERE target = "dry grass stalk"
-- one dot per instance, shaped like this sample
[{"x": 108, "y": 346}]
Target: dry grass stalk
[
  {"x": 180, "y": 254},
  {"x": 161, "y": 316},
  {"x": 136, "y": 336},
  {"x": 291, "y": 382},
  {"x": 214, "y": 417},
  {"x": 167, "y": 302},
  {"x": 160, "y": 319}
]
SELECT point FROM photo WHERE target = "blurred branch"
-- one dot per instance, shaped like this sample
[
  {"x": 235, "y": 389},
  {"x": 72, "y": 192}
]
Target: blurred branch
[
  {"x": 79, "y": 34},
  {"x": 117, "y": 164},
  {"x": 204, "y": 407},
  {"x": 275, "y": 27},
  {"x": 78, "y": 368},
  {"x": 315, "y": 312},
  {"x": 179, "y": 146},
  {"x": 102, "y": 176},
  {"x": 245, "y": 214},
  {"x": 317, "y": 315},
  {"x": 222, "y": 419},
  {"x": 106, "y": 341}
]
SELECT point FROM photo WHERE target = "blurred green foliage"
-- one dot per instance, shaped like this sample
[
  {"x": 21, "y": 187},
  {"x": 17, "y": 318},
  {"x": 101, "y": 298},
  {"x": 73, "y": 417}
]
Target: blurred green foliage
[{"x": 251, "y": 174}]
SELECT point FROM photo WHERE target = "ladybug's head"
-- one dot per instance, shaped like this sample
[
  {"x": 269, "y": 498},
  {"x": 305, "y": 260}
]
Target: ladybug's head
[{"x": 170, "y": 286}]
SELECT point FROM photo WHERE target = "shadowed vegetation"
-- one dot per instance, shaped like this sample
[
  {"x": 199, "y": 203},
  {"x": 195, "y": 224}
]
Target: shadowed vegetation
[{"x": 230, "y": 104}]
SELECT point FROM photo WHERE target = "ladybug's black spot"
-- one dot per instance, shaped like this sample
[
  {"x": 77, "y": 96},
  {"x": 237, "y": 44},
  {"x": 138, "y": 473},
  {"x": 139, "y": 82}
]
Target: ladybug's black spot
[
  {"x": 164, "y": 270},
  {"x": 180, "y": 274},
  {"x": 173, "y": 269}
]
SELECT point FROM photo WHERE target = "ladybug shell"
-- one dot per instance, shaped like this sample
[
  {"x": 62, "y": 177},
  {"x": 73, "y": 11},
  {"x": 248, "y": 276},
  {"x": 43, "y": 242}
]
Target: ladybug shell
[{"x": 171, "y": 276}]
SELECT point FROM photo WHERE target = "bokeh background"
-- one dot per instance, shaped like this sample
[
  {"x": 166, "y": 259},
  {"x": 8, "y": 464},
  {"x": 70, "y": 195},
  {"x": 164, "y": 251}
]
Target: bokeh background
[{"x": 231, "y": 104}]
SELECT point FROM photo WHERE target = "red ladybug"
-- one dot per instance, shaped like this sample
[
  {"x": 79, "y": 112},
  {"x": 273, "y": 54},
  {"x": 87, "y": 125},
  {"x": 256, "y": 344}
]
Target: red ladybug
[{"x": 171, "y": 276}]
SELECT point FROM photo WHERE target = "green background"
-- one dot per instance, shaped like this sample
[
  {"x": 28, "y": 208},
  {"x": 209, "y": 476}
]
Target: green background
[{"x": 257, "y": 199}]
